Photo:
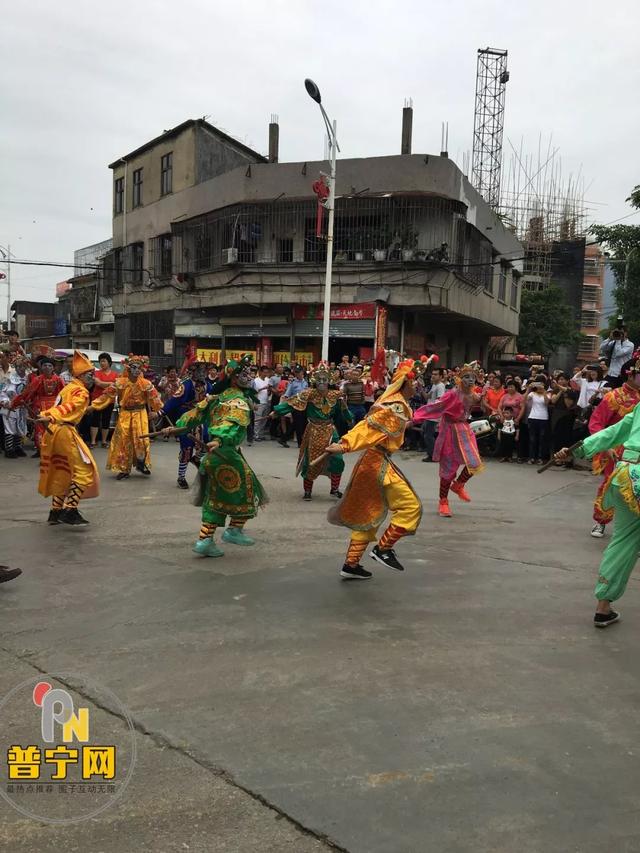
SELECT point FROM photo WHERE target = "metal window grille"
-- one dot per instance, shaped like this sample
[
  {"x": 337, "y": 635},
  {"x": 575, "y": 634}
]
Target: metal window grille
[
  {"x": 590, "y": 319},
  {"x": 394, "y": 229},
  {"x": 591, "y": 293},
  {"x": 588, "y": 345}
]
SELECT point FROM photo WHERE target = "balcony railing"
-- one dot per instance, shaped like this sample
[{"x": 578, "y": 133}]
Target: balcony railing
[{"x": 392, "y": 229}]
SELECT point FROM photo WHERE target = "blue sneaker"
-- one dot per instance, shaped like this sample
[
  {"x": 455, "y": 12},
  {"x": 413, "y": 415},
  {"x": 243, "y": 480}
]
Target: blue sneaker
[
  {"x": 207, "y": 548},
  {"x": 237, "y": 537}
]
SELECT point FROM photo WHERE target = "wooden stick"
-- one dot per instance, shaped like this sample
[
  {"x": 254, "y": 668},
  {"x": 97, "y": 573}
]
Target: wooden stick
[
  {"x": 317, "y": 461},
  {"x": 552, "y": 461}
]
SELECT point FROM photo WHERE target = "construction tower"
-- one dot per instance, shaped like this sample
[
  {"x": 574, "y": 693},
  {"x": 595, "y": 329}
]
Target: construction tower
[{"x": 488, "y": 126}]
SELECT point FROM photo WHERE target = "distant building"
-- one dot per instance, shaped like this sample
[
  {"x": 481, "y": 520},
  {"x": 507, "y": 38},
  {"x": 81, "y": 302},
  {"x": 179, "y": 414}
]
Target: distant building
[
  {"x": 84, "y": 310},
  {"x": 216, "y": 246},
  {"x": 33, "y": 319},
  {"x": 592, "y": 319}
]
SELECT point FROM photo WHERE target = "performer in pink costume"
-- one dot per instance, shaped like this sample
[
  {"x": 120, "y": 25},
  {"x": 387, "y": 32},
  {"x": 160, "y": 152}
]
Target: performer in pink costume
[{"x": 456, "y": 444}]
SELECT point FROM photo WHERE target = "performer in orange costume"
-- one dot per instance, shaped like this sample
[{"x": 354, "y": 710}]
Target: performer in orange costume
[
  {"x": 68, "y": 471},
  {"x": 611, "y": 409},
  {"x": 135, "y": 395},
  {"x": 377, "y": 485}
]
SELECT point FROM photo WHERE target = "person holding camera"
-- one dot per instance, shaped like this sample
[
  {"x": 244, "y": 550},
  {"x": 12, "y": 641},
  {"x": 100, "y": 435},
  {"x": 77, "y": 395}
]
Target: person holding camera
[{"x": 617, "y": 349}]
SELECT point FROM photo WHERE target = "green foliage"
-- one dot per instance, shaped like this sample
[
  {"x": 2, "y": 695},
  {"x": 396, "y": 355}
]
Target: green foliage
[
  {"x": 546, "y": 322},
  {"x": 623, "y": 241}
]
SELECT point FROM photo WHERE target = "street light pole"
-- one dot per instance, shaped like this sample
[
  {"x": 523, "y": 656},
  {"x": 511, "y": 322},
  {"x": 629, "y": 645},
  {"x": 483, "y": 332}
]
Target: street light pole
[
  {"x": 329, "y": 268},
  {"x": 8, "y": 287},
  {"x": 332, "y": 131},
  {"x": 6, "y": 253}
]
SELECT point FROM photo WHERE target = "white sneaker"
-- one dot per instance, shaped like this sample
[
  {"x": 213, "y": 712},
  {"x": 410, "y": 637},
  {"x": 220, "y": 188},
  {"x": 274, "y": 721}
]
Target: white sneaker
[{"x": 598, "y": 531}]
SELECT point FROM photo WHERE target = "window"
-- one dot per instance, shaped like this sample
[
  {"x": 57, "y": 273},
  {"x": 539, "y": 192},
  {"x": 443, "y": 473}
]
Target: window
[
  {"x": 38, "y": 323},
  {"x": 588, "y": 345},
  {"x": 285, "y": 251},
  {"x": 118, "y": 195},
  {"x": 166, "y": 173},
  {"x": 514, "y": 293},
  {"x": 137, "y": 188},
  {"x": 592, "y": 266},
  {"x": 502, "y": 284},
  {"x": 590, "y": 319},
  {"x": 138, "y": 252},
  {"x": 165, "y": 254}
]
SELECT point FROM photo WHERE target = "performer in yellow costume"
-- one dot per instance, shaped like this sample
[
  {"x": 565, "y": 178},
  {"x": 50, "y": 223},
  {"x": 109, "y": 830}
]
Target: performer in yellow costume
[
  {"x": 377, "y": 486},
  {"x": 135, "y": 396},
  {"x": 68, "y": 471}
]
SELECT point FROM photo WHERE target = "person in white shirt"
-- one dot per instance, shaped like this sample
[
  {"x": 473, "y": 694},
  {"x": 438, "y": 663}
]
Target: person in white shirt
[
  {"x": 617, "y": 349},
  {"x": 263, "y": 390},
  {"x": 589, "y": 384},
  {"x": 430, "y": 428},
  {"x": 538, "y": 421}
]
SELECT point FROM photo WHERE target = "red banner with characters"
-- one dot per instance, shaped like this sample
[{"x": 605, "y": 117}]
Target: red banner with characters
[{"x": 357, "y": 311}]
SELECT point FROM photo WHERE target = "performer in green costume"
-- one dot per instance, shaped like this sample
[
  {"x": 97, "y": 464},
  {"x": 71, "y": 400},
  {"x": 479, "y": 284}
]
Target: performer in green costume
[
  {"x": 321, "y": 405},
  {"x": 230, "y": 487},
  {"x": 622, "y": 495}
]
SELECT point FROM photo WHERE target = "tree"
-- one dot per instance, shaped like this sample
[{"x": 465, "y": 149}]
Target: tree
[
  {"x": 623, "y": 241},
  {"x": 546, "y": 322}
]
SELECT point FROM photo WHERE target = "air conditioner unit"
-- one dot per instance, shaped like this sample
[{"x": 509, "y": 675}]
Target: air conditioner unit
[{"x": 230, "y": 256}]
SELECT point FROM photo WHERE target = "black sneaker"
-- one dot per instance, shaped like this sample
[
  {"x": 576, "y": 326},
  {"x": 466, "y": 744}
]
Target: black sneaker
[
  {"x": 602, "y": 620},
  {"x": 387, "y": 558},
  {"x": 427, "y": 459},
  {"x": 54, "y": 516},
  {"x": 283, "y": 442},
  {"x": 182, "y": 483},
  {"x": 356, "y": 573},
  {"x": 123, "y": 475},
  {"x": 306, "y": 496},
  {"x": 20, "y": 452},
  {"x": 36, "y": 455},
  {"x": 140, "y": 466},
  {"x": 336, "y": 493},
  {"x": 72, "y": 516},
  {"x": 7, "y": 574}
]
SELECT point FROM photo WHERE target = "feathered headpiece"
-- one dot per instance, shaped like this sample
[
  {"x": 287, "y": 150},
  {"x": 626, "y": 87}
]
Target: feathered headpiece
[{"x": 407, "y": 369}]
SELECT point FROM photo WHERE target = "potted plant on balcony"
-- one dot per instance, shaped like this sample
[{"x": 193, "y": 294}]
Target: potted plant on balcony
[
  {"x": 381, "y": 241},
  {"x": 409, "y": 243}
]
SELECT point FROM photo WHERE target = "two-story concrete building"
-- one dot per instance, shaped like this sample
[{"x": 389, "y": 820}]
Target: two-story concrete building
[{"x": 216, "y": 244}]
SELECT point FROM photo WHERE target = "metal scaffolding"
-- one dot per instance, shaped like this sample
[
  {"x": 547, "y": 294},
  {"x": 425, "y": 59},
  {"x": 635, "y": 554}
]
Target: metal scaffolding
[
  {"x": 488, "y": 126},
  {"x": 541, "y": 206}
]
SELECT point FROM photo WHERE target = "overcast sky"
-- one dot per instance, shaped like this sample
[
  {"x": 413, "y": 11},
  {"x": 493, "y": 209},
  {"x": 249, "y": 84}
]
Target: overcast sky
[{"x": 83, "y": 83}]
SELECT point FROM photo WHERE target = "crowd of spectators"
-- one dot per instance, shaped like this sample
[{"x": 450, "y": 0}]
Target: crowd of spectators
[{"x": 531, "y": 415}]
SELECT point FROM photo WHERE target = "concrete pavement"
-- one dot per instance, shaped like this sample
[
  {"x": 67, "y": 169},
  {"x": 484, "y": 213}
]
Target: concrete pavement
[{"x": 465, "y": 705}]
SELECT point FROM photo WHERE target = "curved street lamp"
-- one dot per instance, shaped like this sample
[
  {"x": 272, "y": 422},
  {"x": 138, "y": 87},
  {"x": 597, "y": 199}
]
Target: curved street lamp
[{"x": 314, "y": 93}]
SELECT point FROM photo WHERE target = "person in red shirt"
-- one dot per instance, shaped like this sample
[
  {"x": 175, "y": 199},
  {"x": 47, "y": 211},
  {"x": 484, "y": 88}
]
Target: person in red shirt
[
  {"x": 492, "y": 397},
  {"x": 100, "y": 420}
]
